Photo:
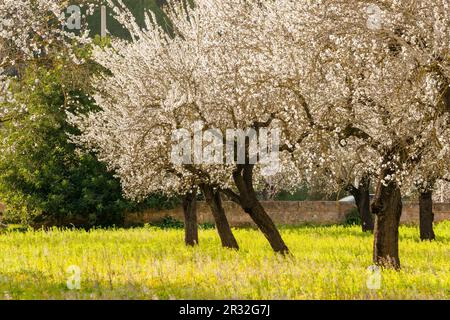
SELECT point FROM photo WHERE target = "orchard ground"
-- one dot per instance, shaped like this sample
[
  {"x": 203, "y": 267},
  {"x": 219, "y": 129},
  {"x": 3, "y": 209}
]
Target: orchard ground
[{"x": 152, "y": 263}]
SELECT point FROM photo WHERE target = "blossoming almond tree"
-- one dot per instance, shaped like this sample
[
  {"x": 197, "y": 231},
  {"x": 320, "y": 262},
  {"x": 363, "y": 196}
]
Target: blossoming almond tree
[
  {"x": 210, "y": 73},
  {"x": 143, "y": 105},
  {"x": 147, "y": 168},
  {"x": 393, "y": 73},
  {"x": 373, "y": 77},
  {"x": 24, "y": 34},
  {"x": 25, "y": 31},
  {"x": 429, "y": 177},
  {"x": 239, "y": 94}
]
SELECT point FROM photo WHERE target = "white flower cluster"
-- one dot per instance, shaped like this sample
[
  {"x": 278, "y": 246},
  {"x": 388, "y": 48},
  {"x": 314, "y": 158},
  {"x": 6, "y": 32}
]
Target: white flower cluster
[{"x": 32, "y": 28}]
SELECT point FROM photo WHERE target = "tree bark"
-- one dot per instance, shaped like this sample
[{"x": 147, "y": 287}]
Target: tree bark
[
  {"x": 190, "y": 219},
  {"x": 223, "y": 228},
  {"x": 362, "y": 200},
  {"x": 243, "y": 178},
  {"x": 387, "y": 207},
  {"x": 426, "y": 216},
  {"x": 447, "y": 99}
]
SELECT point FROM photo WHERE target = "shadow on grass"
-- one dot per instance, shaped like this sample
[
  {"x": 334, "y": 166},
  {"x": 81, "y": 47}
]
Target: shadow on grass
[
  {"x": 328, "y": 230},
  {"x": 35, "y": 285},
  {"x": 355, "y": 231}
]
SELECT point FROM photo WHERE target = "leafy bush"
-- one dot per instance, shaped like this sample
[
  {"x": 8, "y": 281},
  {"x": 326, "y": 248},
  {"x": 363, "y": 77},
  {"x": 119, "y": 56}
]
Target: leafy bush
[
  {"x": 43, "y": 177},
  {"x": 206, "y": 226},
  {"x": 169, "y": 223},
  {"x": 352, "y": 217}
]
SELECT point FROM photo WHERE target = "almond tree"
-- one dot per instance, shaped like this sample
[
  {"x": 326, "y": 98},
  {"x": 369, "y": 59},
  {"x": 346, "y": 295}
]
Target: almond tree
[
  {"x": 428, "y": 178},
  {"x": 147, "y": 170},
  {"x": 208, "y": 72},
  {"x": 142, "y": 105},
  {"x": 24, "y": 35},
  {"x": 373, "y": 78},
  {"x": 393, "y": 73}
]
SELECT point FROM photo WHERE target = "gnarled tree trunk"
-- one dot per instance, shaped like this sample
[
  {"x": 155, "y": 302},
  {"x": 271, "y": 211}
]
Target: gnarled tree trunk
[
  {"x": 426, "y": 216},
  {"x": 214, "y": 201},
  {"x": 362, "y": 200},
  {"x": 190, "y": 219},
  {"x": 387, "y": 207},
  {"x": 243, "y": 178}
]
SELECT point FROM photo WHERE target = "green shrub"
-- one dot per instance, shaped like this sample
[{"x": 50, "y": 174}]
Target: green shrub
[
  {"x": 169, "y": 223},
  {"x": 352, "y": 217},
  {"x": 206, "y": 226},
  {"x": 43, "y": 177}
]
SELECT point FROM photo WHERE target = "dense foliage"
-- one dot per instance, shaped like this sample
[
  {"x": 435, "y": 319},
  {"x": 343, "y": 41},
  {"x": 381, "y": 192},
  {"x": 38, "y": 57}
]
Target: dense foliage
[{"x": 42, "y": 174}]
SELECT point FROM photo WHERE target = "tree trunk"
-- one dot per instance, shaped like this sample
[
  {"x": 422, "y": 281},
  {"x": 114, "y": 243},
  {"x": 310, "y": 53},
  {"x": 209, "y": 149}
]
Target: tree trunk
[
  {"x": 190, "y": 219},
  {"x": 243, "y": 178},
  {"x": 362, "y": 200},
  {"x": 426, "y": 216},
  {"x": 387, "y": 207},
  {"x": 223, "y": 228}
]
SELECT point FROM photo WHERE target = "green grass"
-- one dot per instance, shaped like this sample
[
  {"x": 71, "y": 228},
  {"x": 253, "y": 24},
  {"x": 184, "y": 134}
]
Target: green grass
[{"x": 152, "y": 263}]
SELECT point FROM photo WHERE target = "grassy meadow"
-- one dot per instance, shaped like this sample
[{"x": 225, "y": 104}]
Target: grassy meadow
[{"x": 153, "y": 263}]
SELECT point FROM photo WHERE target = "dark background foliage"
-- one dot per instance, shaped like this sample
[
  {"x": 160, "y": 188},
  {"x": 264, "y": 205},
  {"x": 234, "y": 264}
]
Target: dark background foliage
[{"x": 45, "y": 179}]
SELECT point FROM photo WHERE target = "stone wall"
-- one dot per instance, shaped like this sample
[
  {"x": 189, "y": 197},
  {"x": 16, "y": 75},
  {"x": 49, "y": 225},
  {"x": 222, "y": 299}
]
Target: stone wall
[{"x": 285, "y": 213}]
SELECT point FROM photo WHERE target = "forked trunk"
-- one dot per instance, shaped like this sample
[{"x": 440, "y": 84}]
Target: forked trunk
[
  {"x": 387, "y": 208},
  {"x": 190, "y": 219},
  {"x": 243, "y": 178},
  {"x": 223, "y": 228},
  {"x": 362, "y": 200},
  {"x": 426, "y": 216}
]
